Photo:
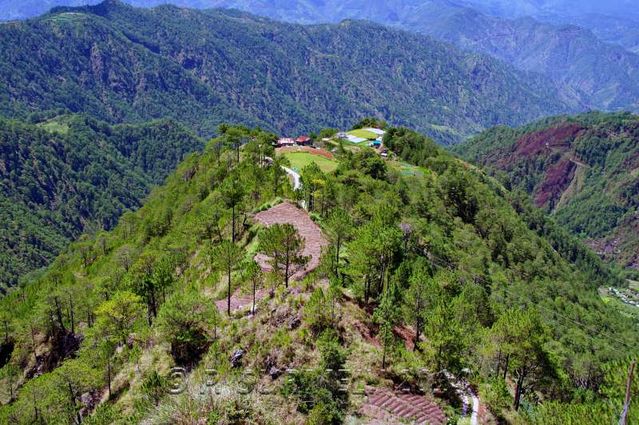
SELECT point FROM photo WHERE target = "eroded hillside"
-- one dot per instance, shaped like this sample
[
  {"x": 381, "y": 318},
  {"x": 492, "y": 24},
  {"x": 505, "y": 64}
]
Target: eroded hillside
[{"x": 583, "y": 169}]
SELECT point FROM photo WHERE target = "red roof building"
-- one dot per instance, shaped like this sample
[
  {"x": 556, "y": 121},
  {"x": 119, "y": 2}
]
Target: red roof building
[{"x": 303, "y": 140}]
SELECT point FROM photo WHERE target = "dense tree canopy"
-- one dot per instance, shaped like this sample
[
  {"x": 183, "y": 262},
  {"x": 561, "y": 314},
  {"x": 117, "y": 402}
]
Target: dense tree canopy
[
  {"x": 72, "y": 174},
  {"x": 139, "y": 64}
]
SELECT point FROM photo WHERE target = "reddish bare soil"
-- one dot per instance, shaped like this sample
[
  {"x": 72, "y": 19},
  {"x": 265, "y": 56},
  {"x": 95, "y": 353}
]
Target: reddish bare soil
[
  {"x": 314, "y": 241},
  {"x": 618, "y": 245},
  {"x": 484, "y": 416},
  {"x": 367, "y": 333},
  {"x": 557, "y": 180},
  {"x": 536, "y": 143},
  {"x": 320, "y": 152},
  {"x": 384, "y": 406},
  {"x": 406, "y": 334}
]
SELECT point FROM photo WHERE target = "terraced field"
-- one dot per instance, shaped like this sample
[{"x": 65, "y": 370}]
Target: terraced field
[
  {"x": 314, "y": 241},
  {"x": 384, "y": 406}
]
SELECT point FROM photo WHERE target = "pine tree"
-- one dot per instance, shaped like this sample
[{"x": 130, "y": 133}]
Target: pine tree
[
  {"x": 283, "y": 245},
  {"x": 339, "y": 227},
  {"x": 186, "y": 321},
  {"x": 233, "y": 192},
  {"x": 254, "y": 274},
  {"x": 387, "y": 316},
  {"x": 226, "y": 257},
  {"x": 521, "y": 338},
  {"x": 421, "y": 295}
]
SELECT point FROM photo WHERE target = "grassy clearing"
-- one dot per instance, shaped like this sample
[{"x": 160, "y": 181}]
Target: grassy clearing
[
  {"x": 447, "y": 130},
  {"x": 348, "y": 146},
  {"x": 363, "y": 134},
  {"x": 54, "y": 126},
  {"x": 300, "y": 160},
  {"x": 67, "y": 17},
  {"x": 408, "y": 170}
]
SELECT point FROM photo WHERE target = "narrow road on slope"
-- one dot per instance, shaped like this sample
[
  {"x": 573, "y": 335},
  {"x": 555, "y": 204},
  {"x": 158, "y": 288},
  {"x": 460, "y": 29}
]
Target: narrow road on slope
[
  {"x": 579, "y": 163},
  {"x": 297, "y": 180},
  {"x": 473, "y": 417}
]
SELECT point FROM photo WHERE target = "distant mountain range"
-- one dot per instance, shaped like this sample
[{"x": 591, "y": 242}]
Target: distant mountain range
[
  {"x": 588, "y": 67},
  {"x": 583, "y": 169},
  {"x": 615, "y": 30},
  {"x": 565, "y": 8},
  {"x": 202, "y": 68},
  {"x": 604, "y": 76},
  {"x": 615, "y": 21}
]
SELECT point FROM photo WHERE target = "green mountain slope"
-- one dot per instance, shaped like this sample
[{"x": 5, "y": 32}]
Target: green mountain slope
[
  {"x": 207, "y": 67},
  {"x": 599, "y": 74},
  {"x": 71, "y": 174},
  {"x": 612, "y": 22},
  {"x": 588, "y": 68},
  {"x": 583, "y": 169},
  {"x": 430, "y": 253},
  {"x": 603, "y": 75}
]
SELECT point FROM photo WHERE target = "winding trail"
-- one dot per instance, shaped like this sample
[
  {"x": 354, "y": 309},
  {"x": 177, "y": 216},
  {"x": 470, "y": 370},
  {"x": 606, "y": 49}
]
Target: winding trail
[
  {"x": 473, "y": 417},
  {"x": 297, "y": 180},
  {"x": 475, "y": 405},
  {"x": 466, "y": 393}
]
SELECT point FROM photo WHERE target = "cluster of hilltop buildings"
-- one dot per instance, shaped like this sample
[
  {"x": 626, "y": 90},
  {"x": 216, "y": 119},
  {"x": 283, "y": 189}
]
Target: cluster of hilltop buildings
[
  {"x": 370, "y": 135},
  {"x": 287, "y": 142},
  {"x": 358, "y": 136}
]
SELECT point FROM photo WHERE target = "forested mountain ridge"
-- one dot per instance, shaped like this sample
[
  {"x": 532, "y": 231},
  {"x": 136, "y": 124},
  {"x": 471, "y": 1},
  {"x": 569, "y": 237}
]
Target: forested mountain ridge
[
  {"x": 623, "y": 31},
  {"x": 582, "y": 169},
  {"x": 71, "y": 174},
  {"x": 132, "y": 64},
  {"x": 431, "y": 248},
  {"x": 595, "y": 69},
  {"x": 614, "y": 22},
  {"x": 602, "y": 75}
]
